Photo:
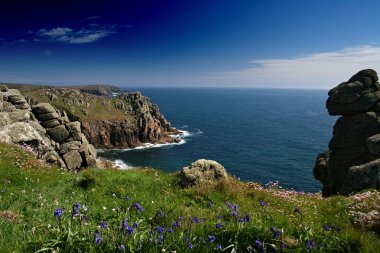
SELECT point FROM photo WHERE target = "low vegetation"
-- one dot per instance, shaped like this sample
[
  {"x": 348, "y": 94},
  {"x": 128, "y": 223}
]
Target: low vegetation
[{"x": 45, "y": 209}]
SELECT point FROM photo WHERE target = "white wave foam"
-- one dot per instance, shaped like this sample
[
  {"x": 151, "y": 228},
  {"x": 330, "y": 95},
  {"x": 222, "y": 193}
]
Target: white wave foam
[
  {"x": 182, "y": 134},
  {"x": 120, "y": 164}
]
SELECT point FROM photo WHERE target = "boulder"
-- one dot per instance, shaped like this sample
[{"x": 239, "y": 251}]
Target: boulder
[
  {"x": 19, "y": 132},
  {"x": 3, "y": 88},
  {"x": 202, "y": 172},
  {"x": 47, "y": 116},
  {"x": 69, "y": 146},
  {"x": 58, "y": 133},
  {"x": 88, "y": 153},
  {"x": 19, "y": 116},
  {"x": 50, "y": 123},
  {"x": 366, "y": 176},
  {"x": 43, "y": 108},
  {"x": 5, "y": 120},
  {"x": 73, "y": 160},
  {"x": 74, "y": 130}
]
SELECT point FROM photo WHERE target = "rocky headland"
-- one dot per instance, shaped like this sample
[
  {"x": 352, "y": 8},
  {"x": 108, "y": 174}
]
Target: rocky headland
[
  {"x": 352, "y": 161},
  {"x": 125, "y": 120},
  {"x": 44, "y": 130}
]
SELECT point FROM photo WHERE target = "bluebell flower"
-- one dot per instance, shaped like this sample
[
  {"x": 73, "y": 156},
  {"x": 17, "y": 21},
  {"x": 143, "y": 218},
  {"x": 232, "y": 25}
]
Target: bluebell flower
[
  {"x": 218, "y": 247},
  {"x": 160, "y": 229},
  {"x": 209, "y": 204},
  {"x": 75, "y": 212},
  {"x": 309, "y": 245},
  {"x": 97, "y": 238},
  {"x": 124, "y": 224},
  {"x": 85, "y": 218},
  {"x": 138, "y": 206},
  {"x": 190, "y": 246},
  {"x": 176, "y": 224},
  {"x": 211, "y": 238},
  {"x": 235, "y": 207},
  {"x": 196, "y": 220},
  {"x": 77, "y": 205},
  {"x": 58, "y": 212},
  {"x": 162, "y": 214},
  {"x": 186, "y": 239},
  {"x": 275, "y": 232},
  {"x": 122, "y": 248},
  {"x": 247, "y": 218},
  {"x": 235, "y": 214},
  {"x": 160, "y": 238},
  {"x": 262, "y": 203},
  {"x": 104, "y": 225},
  {"x": 326, "y": 228},
  {"x": 258, "y": 244},
  {"x": 218, "y": 225},
  {"x": 135, "y": 225},
  {"x": 129, "y": 230}
]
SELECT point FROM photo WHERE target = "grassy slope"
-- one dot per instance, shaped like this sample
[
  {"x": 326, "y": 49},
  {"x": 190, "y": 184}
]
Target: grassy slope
[{"x": 30, "y": 193}]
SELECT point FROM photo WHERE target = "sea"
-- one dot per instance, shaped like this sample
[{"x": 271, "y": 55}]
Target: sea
[{"x": 260, "y": 135}]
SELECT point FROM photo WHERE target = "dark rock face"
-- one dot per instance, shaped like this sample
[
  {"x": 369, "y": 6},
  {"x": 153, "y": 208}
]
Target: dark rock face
[
  {"x": 52, "y": 136},
  {"x": 354, "y": 140}
]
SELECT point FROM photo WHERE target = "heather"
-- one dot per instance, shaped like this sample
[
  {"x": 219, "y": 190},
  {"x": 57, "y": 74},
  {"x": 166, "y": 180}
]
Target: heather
[{"x": 46, "y": 209}]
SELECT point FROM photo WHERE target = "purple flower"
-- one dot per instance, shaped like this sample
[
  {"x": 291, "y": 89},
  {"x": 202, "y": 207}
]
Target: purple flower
[
  {"x": 138, "y": 207},
  {"x": 129, "y": 230},
  {"x": 247, "y": 218},
  {"x": 186, "y": 239},
  {"x": 160, "y": 229},
  {"x": 85, "y": 218},
  {"x": 309, "y": 245},
  {"x": 209, "y": 204},
  {"x": 218, "y": 225},
  {"x": 275, "y": 232},
  {"x": 75, "y": 212},
  {"x": 258, "y": 244},
  {"x": 262, "y": 203},
  {"x": 58, "y": 212},
  {"x": 196, "y": 220},
  {"x": 235, "y": 214},
  {"x": 160, "y": 238},
  {"x": 190, "y": 246},
  {"x": 97, "y": 238},
  {"x": 77, "y": 205},
  {"x": 218, "y": 247},
  {"x": 122, "y": 248},
  {"x": 326, "y": 228},
  {"x": 176, "y": 224},
  {"x": 104, "y": 225},
  {"x": 124, "y": 224},
  {"x": 211, "y": 238},
  {"x": 135, "y": 225}
]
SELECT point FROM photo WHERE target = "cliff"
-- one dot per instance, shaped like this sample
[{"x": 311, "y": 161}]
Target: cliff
[
  {"x": 351, "y": 163},
  {"x": 125, "y": 121},
  {"x": 44, "y": 130}
]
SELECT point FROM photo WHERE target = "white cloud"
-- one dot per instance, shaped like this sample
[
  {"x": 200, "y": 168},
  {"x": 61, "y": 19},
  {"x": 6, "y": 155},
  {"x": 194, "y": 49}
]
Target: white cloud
[
  {"x": 89, "y": 34},
  {"x": 319, "y": 70}
]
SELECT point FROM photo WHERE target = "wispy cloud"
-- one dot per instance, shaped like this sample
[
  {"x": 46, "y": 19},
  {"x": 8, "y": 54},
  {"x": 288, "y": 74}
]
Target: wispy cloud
[
  {"x": 319, "y": 70},
  {"x": 89, "y": 34}
]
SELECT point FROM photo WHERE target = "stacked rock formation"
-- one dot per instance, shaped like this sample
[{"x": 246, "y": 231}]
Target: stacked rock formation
[
  {"x": 54, "y": 138},
  {"x": 349, "y": 164}
]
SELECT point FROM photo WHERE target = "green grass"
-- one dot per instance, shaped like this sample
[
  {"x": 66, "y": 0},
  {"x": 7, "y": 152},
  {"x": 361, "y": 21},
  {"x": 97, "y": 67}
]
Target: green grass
[{"x": 30, "y": 192}]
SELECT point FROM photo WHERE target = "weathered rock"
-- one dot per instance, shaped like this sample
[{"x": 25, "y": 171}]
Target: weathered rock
[
  {"x": 202, "y": 172},
  {"x": 69, "y": 146},
  {"x": 74, "y": 130},
  {"x": 373, "y": 145},
  {"x": 5, "y": 120},
  {"x": 19, "y": 132},
  {"x": 47, "y": 116},
  {"x": 3, "y": 88},
  {"x": 73, "y": 160},
  {"x": 43, "y": 108},
  {"x": 356, "y": 139},
  {"x": 359, "y": 94},
  {"x": 50, "y": 123},
  {"x": 19, "y": 116},
  {"x": 88, "y": 153},
  {"x": 58, "y": 133},
  {"x": 362, "y": 177}
]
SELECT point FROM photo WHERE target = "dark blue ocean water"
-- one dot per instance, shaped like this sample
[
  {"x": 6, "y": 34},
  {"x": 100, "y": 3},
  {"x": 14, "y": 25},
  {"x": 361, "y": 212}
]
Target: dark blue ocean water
[{"x": 256, "y": 134}]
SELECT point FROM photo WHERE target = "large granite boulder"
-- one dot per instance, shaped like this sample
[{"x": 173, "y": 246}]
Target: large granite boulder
[
  {"x": 355, "y": 139},
  {"x": 19, "y": 132},
  {"x": 58, "y": 133},
  {"x": 202, "y": 172},
  {"x": 366, "y": 176}
]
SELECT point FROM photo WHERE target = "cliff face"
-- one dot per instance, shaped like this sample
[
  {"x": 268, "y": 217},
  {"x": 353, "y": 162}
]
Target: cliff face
[
  {"x": 126, "y": 121},
  {"x": 44, "y": 130},
  {"x": 355, "y": 138}
]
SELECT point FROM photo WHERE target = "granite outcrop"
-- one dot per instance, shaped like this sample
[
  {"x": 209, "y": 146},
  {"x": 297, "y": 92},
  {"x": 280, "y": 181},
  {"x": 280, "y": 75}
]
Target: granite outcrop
[
  {"x": 350, "y": 164},
  {"x": 48, "y": 132}
]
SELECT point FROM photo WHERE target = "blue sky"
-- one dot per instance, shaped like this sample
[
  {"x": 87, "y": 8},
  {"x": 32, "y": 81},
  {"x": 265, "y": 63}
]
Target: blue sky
[{"x": 198, "y": 43}]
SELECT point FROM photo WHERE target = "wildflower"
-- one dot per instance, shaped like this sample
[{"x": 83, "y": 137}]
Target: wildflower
[
  {"x": 58, "y": 212},
  {"x": 211, "y": 238},
  {"x": 190, "y": 246},
  {"x": 75, "y": 212},
  {"x": 135, "y": 225},
  {"x": 186, "y": 239},
  {"x": 122, "y": 248},
  {"x": 162, "y": 214},
  {"x": 275, "y": 232},
  {"x": 129, "y": 230},
  {"x": 97, "y": 238},
  {"x": 218, "y": 247},
  {"x": 258, "y": 244},
  {"x": 138, "y": 206},
  {"x": 326, "y": 228},
  {"x": 85, "y": 218},
  {"x": 77, "y": 205},
  {"x": 209, "y": 204},
  {"x": 176, "y": 224},
  {"x": 196, "y": 220},
  {"x": 262, "y": 203},
  {"x": 235, "y": 214},
  {"x": 104, "y": 225},
  {"x": 160, "y": 238},
  {"x": 160, "y": 229},
  {"x": 235, "y": 207},
  {"x": 247, "y": 218},
  {"x": 218, "y": 225},
  {"x": 124, "y": 224},
  {"x": 309, "y": 245}
]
